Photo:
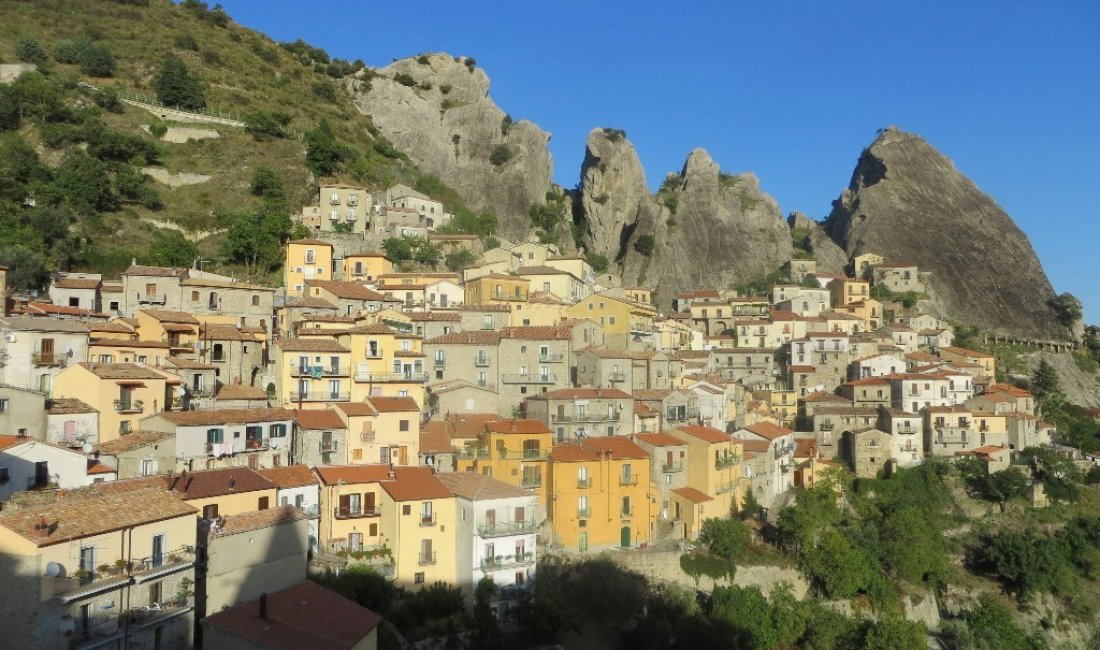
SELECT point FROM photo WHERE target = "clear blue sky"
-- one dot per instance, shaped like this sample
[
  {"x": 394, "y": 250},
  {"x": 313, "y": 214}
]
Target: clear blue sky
[{"x": 789, "y": 90}]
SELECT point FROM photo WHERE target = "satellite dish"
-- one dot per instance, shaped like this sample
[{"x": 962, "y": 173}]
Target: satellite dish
[
  {"x": 55, "y": 570},
  {"x": 87, "y": 448}
]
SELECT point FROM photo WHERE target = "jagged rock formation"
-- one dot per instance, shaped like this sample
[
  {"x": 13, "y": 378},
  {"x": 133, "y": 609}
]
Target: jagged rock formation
[
  {"x": 447, "y": 124},
  {"x": 707, "y": 228},
  {"x": 829, "y": 256},
  {"x": 906, "y": 201}
]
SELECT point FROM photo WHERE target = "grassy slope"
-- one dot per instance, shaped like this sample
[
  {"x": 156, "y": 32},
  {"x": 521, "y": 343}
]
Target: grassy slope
[{"x": 242, "y": 71}]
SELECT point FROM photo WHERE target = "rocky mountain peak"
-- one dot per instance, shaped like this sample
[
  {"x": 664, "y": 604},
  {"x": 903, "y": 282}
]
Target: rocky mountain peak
[{"x": 612, "y": 186}]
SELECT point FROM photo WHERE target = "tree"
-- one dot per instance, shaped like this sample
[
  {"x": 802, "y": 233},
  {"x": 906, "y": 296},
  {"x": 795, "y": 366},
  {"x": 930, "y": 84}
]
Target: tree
[
  {"x": 1067, "y": 308},
  {"x": 748, "y": 612},
  {"x": 1004, "y": 485},
  {"x": 1027, "y": 562},
  {"x": 97, "y": 61},
  {"x": 175, "y": 86},
  {"x": 171, "y": 248},
  {"x": 750, "y": 507},
  {"x": 644, "y": 245},
  {"x": 264, "y": 124},
  {"x": 30, "y": 51},
  {"x": 459, "y": 259},
  {"x": 500, "y": 154},
  {"x": 83, "y": 182},
  {"x": 913, "y": 546},
  {"x": 26, "y": 268},
  {"x": 323, "y": 153},
  {"x": 255, "y": 239},
  {"x": 895, "y": 633},
  {"x": 267, "y": 184},
  {"x": 838, "y": 567},
  {"x": 726, "y": 538},
  {"x": 1047, "y": 389}
]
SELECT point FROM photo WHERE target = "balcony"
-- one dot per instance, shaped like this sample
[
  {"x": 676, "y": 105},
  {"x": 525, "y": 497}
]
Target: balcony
[
  {"x": 352, "y": 512},
  {"x": 313, "y": 511},
  {"x": 674, "y": 466},
  {"x": 473, "y": 453},
  {"x": 529, "y": 378},
  {"x": 586, "y": 417},
  {"x": 551, "y": 358},
  {"x": 482, "y": 362},
  {"x": 728, "y": 486},
  {"x": 84, "y": 584},
  {"x": 385, "y": 377},
  {"x": 534, "y": 454},
  {"x": 49, "y": 359},
  {"x": 507, "y": 561},
  {"x": 626, "y": 512},
  {"x": 628, "y": 481},
  {"x": 297, "y": 370},
  {"x": 501, "y": 528},
  {"x": 440, "y": 363},
  {"x": 725, "y": 462},
  {"x": 687, "y": 414},
  {"x": 531, "y": 481},
  {"x": 616, "y": 376},
  {"x": 127, "y": 406},
  {"x": 826, "y": 426},
  {"x": 156, "y": 566},
  {"x": 318, "y": 396},
  {"x": 327, "y": 447},
  {"x": 427, "y": 520},
  {"x": 584, "y": 483},
  {"x": 584, "y": 512},
  {"x": 427, "y": 559},
  {"x": 152, "y": 299}
]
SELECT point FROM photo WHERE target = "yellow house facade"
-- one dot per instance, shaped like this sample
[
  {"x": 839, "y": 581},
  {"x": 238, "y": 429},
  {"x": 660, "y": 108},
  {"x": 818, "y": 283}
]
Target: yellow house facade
[
  {"x": 714, "y": 465},
  {"x": 306, "y": 259},
  {"x": 383, "y": 430},
  {"x": 123, "y": 393},
  {"x": 419, "y": 524},
  {"x": 497, "y": 289},
  {"x": 351, "y": 506},
  {"x": 366, "y": 266},
  {"x": 313, "y": 371},
  {"x": 624, "y": 321},
  {"x": 515, "y": 451}
]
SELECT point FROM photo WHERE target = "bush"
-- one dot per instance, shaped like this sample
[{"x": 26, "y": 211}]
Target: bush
[
  {"x": 97, "y": 61},
  {"x": 726, "y": 538},
  {"x": 506, "y": 124},
  {"x": 459, "y": 259},
  {"x": 186, "y": 42},
  {"x": 175, "y": 86},
  {"x": 405, "y": 79},
  {"x": 263, "y": 124},
  {"x": 598, "y": 262},
  {"x": 614, "y": 135},
  {"x": 325, "y": 90},
  {"x": 30, "y": 51},
  {"x": 500, "y": 155},
  {"x": 644, "y": 245}
]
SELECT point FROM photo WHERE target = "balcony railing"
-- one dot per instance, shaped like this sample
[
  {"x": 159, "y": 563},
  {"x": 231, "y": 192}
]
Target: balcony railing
[
  {"x": 501, "y": 528},
  {"x": 439, "y": 363},
  {"x": 391, "y": 377},
  {"x": 628, "y": 480},
  {"x": 126, "y": 406},
  {"x": 427, "y": 559},
  {"x": 427, "y": 520},
  {"x": 729, "y": 486},
  {"x": 531, "y": 481},
  {"x": 313, "y": 511},
  {"x": 469, "y": 453},
  {"x": 551, "y": 358},
  {"x": 297, "y": 370},
  {"x": 361, "y": 512},
  {"x": 826, "y": 426},
  {"x": 626, "y": 512},
  {"x": 687, "y": 414},
  {"x": 584, "y": 512},
  {"x": 520, "y": 378},
  {"x": 152, "y": 299},
  {"x": 319, "y": 396},
  {"x": 584, "y": 483},
  {"x": 725, "y": 462},
  {"x": 586, "y": 417},
  {"x": 482, "y": 362},
  {"x": 616, "y": 376},
  {"x": 674, "y": 466},
  {"x": 506, "y": 561},
  {"x": 255, "y": 443},
  {"x": 155, "y": 566},
  {"x": 329, "y": 446},
  {"x": 49, "y": 359}
]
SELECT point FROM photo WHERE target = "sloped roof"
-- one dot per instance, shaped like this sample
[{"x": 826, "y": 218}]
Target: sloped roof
[
  {"x": 316, "y": 419},
  {"x": 415, "y": 484},
  {"x": 478, "y": 487},
  {"x": 290, "y": 476}
]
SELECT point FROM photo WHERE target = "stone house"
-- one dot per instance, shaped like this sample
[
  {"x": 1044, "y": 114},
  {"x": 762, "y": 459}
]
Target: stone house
[
  {"x": 80, "y": 290},
  {"x": 69, "y": 422},
  {"x": 755, "y": 367},
  {"x": 141, "y": 453},
  {"x": 36, "y": 350},
  {"x": 22, "y": 412},
  {"x": 898, "y": 277},
  {"x": 345, "y": 206},
  {"x": 576, "y": 413},
  {"x": 322, "y": 437},
  {"x": 668, "y": 462},
  {"x": 830, "y": 422},
  {"x": 675, "y": 406},
  {"x": 871, "y": 391},
  {"x": 212, "y": 439},
  {"x": 867, "y": 451}
]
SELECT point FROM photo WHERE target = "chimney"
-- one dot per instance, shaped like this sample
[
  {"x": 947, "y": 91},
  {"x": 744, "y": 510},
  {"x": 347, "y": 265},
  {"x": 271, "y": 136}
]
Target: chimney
[
  {"x": 232, "y": 482},
  {"x": 263, "y": 606}
]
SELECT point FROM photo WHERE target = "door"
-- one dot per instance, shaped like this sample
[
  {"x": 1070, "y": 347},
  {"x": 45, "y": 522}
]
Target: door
[
  {"x": 41, "y": 473},
  {"x": 490, "y": 519},
  {"x": 369, "y": 504},
  {"x": 262, "y": 503},
  {"x": 158, "y": 550},
  {"x": 582, "y": 542},
  {"x": 624, "y": 537},
  {"x": 47, "y": 351},
  {"x": 87, "y": 563}
]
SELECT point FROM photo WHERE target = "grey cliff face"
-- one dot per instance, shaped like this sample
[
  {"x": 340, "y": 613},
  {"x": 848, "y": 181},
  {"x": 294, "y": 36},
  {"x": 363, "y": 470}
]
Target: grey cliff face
[
  {"x": 906, "y": 201},
  {"x": 828, "y": 255},
  {"x": 452, "y": 135},
  {"x": 612, "y": 187}
]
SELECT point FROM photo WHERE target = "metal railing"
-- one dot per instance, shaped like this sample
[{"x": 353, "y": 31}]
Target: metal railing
[
  {"x": 616, "y": 376},
  {"x": 520, "y": 378},
  {"x": 328, "y": 447},
  {"x": 584, "y": 483},
  {"x": 628, "y": 480},
  {"x": 725, "y": 462},
  {"x": 391, "y": 377},
  {"x": 500, "y": 528},
  {"x": 152, "y": 299},
  {"x": 361, "y": 512},
  {"x": 551, "y": 358},
  {"x": 468, "y": 453},
  {"x": 427, "y": 559},
  {"x": 427, "y": 520},
  {"x": 126, "y": 406},
  {"x": 506, "y": 561},
  {"x": 319, "y": 396},
  {"x": 586, "y": 417},
  {"x": 482, "y": 362},
  {"x": 674, "y": 466},
  {"x": 49, "y": 359},
  {"x": 729, "y": 486},
  {"x": 584, "y": 512},
  {"x": 297, "y": 370},
  {"x": 531, "y": 481}
]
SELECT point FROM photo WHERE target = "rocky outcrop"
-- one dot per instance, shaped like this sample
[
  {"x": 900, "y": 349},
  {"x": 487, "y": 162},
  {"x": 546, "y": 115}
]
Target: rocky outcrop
[
  {"x": 436, "y": 108},
  {"x": 612, "y": 187},
  {"x": 828, "y": 255},
  {"x": 906, "y": 201},
  {"x": 704, "y": 228}
]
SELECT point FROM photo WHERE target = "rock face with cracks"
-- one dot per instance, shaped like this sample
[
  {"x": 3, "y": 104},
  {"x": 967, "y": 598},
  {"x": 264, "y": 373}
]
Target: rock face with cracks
[{"x": 906, "y": 201}]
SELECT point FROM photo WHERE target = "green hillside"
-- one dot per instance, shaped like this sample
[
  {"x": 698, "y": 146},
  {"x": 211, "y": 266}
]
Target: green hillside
[{"x": 283, "y": 92}]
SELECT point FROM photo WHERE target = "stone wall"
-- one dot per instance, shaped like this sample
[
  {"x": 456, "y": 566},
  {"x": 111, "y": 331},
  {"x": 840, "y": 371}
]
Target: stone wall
[{"x": 664, "y": 566}]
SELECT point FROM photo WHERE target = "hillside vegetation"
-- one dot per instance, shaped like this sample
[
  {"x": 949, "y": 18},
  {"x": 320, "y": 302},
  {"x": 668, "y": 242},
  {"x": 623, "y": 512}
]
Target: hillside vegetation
[{"x": 301, "y": 127}]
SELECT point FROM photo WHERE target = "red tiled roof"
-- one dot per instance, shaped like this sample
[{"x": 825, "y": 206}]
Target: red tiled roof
[
  {"x": 226, "y": 416},
  {"x": 659, "y": 439},
  {"x": 706, "y": 434},
  {"x": 303, "y": 616},
  {"x": 516, "y": 426},
  {"x": 216, "y": 482},
  {"x": 290, "y": 476},
  {"x": 693, "y": 495},
  {"x": 416, "y": 484},
  {"x": 768, "y": 430},
  {"x": 617, "y": 446},
  {"x": 357, "y": 409},
  {"x": 393, "y": 404},
  {"x": 583, "y": 393},
  {"x": 476, "y": 487},
  {"x": 319, "y": 419},
  {"x": 331, "y": 475}
]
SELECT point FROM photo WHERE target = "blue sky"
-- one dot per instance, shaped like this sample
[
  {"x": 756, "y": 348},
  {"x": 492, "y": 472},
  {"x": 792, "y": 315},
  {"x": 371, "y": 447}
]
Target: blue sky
[{"x": 791, "y": 91}]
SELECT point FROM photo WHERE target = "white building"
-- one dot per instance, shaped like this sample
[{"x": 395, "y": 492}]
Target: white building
[
  {"x": 298, "y": 486},
  {"x": 35, "y": 350},
  {"x": 27, "y": 464},
  {"x": 496, "y": 534}
]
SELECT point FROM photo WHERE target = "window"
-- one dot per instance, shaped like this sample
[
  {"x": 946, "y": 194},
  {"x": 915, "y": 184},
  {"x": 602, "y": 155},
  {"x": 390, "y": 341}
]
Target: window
[
  {"x": 406, "y": 509},
  {"x": 419, "y": 578},
  {"x": 210, "y": 511},
  {"x": 195, "y": 296},
  {"x": 277, "y": 431},
  {"x": 403, "y": 425},
  {"x": 255, "y": 301},
  {"x": 3, "y": 405}
]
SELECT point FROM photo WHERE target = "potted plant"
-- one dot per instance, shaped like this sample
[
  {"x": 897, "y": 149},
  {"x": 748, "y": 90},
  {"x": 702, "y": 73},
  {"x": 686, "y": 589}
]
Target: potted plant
[
  {"x": 120, "y": 566},
  {"x": 102, "y": 569},
  {"x": 82, "y": 574},
  {"x": 183, "y": 591}
]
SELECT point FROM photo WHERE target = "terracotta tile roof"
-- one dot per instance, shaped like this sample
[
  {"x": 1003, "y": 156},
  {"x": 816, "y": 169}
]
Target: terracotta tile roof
[
  {"x": 394, "y": 404},
  {"x": 651, "y": 394},
  {"x": 169, "y": 316},
  {"x": 158, "y": 271},
  {"x": 346, "y": 290},
  {"x": 641, "y": 410},
  {"x": 573, "y": 452},
  {"x": 76, "y": 283},
  {"x": 617, "y": 446},
  {"x": 220, "y": 332},
  {"x": 868, "y": 381},
  {"x": 114, "y": 326},
  {"x": 1008, "y": 389},
  {"x": 290, "y": 476},
  {"x": 753, "y": 447},
  {"x": 478, "y": 487},
  {"x": 515, "y": 425},
  {"x": 693, "y": 495},
  {"x": 355, "y": 474},
  {"x": 96, "y": 467},
  {"x": 227, "y": 416},
  {"x": 659, "y": 439},
  {"x": 605, "y": 353},
  {"x": 471, "y": 337},
  {"x": 311, "y": 345},
  {"x": 434, "y": 438},
  {"x": 318, "y": 419},
  {"x": 540, "y": 270},
  {"x": 216, "y": 482},
  {"x": 120, "y": 371},
  {"x": 845, "y": 410},
  {"x": 258, "y": 519},
  {"x": 310, "y": 303},
  {"x": 768, "y": 430},
  {"x": 538, "y": 333},
  {"x": 68, "y": 406},
  {"x": 583, "y": 393},
  {"x": 706, "y": 434},
  {"x": 125, "y": 343},
  {"x": 134, "y": 440},
  {"x": 94, "y": 511},
  {"x": 303, "y": 616},
  {"x": 30, "y": 324},
  {"x": 240, "y": 392},
  {"x": 111, "y": 287},
  {"x": 309, "y": 241},
  {"x": 822, "y": 396},
  {"x": 415, "y": 484},
  {"x": 806, "y": 448},
  {"x": 966, "y": 352},
  {"x": 433, "y": 316},
  {"x": 11, "y": 441},
  {"x": 357, "y": 409},
  {"x": 462, "y": 425}
]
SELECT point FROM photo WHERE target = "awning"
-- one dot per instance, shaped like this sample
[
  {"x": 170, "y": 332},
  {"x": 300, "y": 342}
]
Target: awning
[{"x": 130, "y": 383}]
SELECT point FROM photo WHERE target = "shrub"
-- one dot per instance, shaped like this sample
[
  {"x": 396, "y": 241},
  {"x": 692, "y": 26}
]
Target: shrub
[
  {"x": 506, "y": 124},
  {"x": 324, "y": 90},
  {"x": 97, "y": 61},
  {"x": 614, "y": 135},
  {"x": 423, "y": 59},
  {"x": 471, "y": 63},
  {"x": 405, "y": 79},
  {"x": 158, "y": 129},
  {"x": 264, "y": 124},
  {"x": 597, "y": 262},
  {"x": 644, "y": 245},
  {"x": 445, "y": 88},
  {"x": 500, "y": 155},
  {"x": 175, "y": 86},
  {"x": 30, "y": 51},
  {"x": 424, "y": 85},
  {"x": 186, "y": 42}
]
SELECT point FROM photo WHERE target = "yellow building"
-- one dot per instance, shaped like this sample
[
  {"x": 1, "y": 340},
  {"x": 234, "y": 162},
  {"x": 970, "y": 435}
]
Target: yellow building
[
  {"x": 382, "y": 430},
  {"x": 601, "y": 494},
  {"x": 626, "y": 322},
  {"x": 419, "y": 522},
  {"x": 179, "y": 330},
  {"x": 120, "y": 351},
  {"x": 306, "y": 259},
  {"x": 221, "y": 492},
  {"x": 868, "y": 310},
  {"x": 541, "y": 310},
  {"x": 366, "y": 266},
  {"x": 385, "y": 362},
  {"x": 497, "y": 289},
  {"x": 351, "y": 506},
  {"x": 783, "y": 403},
  {"x": 313, "y": 372},
  {"x": 514, "y": 451},
  {"x": 987, "y": 361},
  {"x": 123, "y": 393},
  {"x": 73, "y": 566},
  {"x": 714, "y": 466},
  {"x": 847, "y": 291}
]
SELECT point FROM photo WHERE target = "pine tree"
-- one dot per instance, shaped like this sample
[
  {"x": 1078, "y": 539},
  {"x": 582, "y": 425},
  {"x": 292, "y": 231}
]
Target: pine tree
[{"x": 175, "y": 86}]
